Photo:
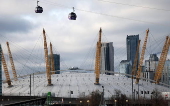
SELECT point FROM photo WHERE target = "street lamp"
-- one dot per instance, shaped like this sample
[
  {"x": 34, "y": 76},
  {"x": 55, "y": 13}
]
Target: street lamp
[
  {"x": 103, "y": 96},
  {"x": 88, "y": 102},
  {"x": 70, "y": 103},
  {"x": 80, "y": 102},
  {"x": 127, "y": 102},
  {"x": 115, "y": 102}
]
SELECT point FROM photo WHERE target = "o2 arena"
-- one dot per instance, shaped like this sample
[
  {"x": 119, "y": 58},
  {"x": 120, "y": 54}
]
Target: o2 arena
[{"x": 76, "y": 83}]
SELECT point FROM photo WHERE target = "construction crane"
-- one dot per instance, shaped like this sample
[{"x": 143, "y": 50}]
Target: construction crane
[
  {"x": 47, "y": 60},
  {"x": 142, "y": 58},
  {"x": 98, "y": 59},
  {"x": 52, "y": 67},
  {"x": 136, "y": 60},
  {"x": 161, "y": 63},
  {"x": 12, "y": 62},
  {"x": 8, "y": 80}
]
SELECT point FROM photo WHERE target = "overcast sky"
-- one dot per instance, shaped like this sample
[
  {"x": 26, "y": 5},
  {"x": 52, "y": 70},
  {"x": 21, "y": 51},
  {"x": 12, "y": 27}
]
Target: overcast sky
[{"x": 75, "y": 41}]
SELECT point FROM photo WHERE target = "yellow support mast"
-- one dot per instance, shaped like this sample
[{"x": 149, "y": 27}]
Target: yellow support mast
[
  {"x": 98, "y": 59},
  {"x": 47, "y": 60},
  {"x": 142, "y": 58},
  {"x": 12, "y": 62},
  {"x": 159, "y": 69},
  {"x": 52, "y": 67},
  {"x": 136, "y": 61},
  {"x": 6, "y": 70}
]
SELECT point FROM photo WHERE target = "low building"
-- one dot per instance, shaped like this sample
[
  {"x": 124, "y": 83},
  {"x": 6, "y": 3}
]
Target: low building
[{"x": 125, "y": 67}]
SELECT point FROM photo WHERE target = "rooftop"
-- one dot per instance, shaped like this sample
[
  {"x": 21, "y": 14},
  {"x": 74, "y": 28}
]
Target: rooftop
[{"x": 82, "y": 84}]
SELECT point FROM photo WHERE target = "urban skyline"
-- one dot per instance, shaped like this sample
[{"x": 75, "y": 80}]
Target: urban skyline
[{"x": 23, "y": 26}]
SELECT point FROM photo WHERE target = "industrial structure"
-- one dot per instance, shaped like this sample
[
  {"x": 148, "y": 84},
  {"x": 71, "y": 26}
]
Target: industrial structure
[
  {"x": 161, "y": 63},
  {"x": 8, "y": 79},
  {"x": 47, "y": 60},
  {"x": 138, "y": 74},
  {"x": 12, "y": 62},
  {"x": 98, "y": 58}
]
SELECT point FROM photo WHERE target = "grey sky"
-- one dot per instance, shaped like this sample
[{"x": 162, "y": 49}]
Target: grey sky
[{"x": 75, "y": 40}]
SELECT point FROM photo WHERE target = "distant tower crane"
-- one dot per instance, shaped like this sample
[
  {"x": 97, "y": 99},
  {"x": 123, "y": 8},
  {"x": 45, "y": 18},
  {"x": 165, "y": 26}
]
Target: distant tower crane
[
  {"x": 8, "y": 80},
  {"x": 12, "y": 62},
  {"x": 47, "y": 61},
  {"x": 52, "y": 67},
  {"x": 161, "y": 63},
  {"x": 98, "y": 59},
  {"x": 142, "y": 58}
]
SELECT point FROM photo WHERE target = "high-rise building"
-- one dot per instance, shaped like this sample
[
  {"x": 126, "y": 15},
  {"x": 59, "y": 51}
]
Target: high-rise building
[
  {"x": 107, "y": 57},
  {"x": 56, "y": 63},
  {"x": 131, "y": 46},
  {"x": 151, "y": 66},
  {"x": 0, "y": 73}
]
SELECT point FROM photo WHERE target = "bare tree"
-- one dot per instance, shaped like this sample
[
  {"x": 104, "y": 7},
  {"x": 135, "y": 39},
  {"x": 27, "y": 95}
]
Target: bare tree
[
  {"x": 157, "y": 99},
  {"x": 95, "y": 98}
]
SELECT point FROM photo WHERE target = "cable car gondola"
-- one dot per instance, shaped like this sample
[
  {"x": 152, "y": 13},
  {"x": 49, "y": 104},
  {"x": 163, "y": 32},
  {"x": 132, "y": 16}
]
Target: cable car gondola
[
  {"x": 72, "y": 15},
  {"x": 38, "y": 9}
]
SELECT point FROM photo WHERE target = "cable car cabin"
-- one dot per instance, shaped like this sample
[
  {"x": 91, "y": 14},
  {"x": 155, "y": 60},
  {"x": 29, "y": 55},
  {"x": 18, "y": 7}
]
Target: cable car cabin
[
  {"x": 72, "y": 16},
  {"x": 38, "y": 9}
]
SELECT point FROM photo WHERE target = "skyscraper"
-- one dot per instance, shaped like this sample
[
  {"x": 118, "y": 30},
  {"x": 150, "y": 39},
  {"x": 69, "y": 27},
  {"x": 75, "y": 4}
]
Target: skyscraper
[
  {"x": 107, "y": 57},
  {"x": 56, "y": 63},
  {"x": 0, "y": 73},
  {"x": 131, "y": 46}
]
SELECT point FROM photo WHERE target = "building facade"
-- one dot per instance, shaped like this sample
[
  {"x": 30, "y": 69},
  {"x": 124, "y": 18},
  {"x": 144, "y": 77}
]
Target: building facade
[
  {"x": 166, "y": 73},
  {"x": 125, "y": 66},
  {"x": 150, "y": 69},
  {"x": 131, "y": 46},
  {"x": 107, "y": 57},
  {"x": 56, "y": 63},
  {"x": 0, "y": 72}
]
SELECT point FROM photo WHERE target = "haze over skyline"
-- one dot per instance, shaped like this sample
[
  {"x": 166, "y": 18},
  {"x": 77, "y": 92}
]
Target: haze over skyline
[{"x": 75, "y": 41}]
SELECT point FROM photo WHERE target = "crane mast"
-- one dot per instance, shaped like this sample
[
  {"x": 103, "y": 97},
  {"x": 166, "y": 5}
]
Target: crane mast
[
  {"x": 98, "y": 59},
  {"x": 6, "y": 69},
  {"x": 47, "y": 60},
  {"x": 12, "y": 62},
  {"x": 52, "y": 60},
  {"x": 142, "y": 58},
  {"x": 162, "y": 60},
  {"x": 136, "y": 60}
]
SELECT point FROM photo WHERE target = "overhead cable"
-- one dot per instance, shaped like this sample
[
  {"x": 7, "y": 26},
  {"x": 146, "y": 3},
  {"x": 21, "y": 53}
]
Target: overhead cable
[{"x": 134, "y": 5}]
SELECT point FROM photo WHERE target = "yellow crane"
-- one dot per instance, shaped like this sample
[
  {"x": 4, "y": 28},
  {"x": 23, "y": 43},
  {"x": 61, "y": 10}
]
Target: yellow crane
[
  {"x": 136, "y": 60},
  {"x": 8, "y": 80},
  {"x": 47, "y": 60},
  {"x": 161, "y": 63},
  {"x": 142, "y": 58},
  {"x": 98, "y": 59},
  {"x": 52, "y": 67},
  {"x": 12, "y": 62}
]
